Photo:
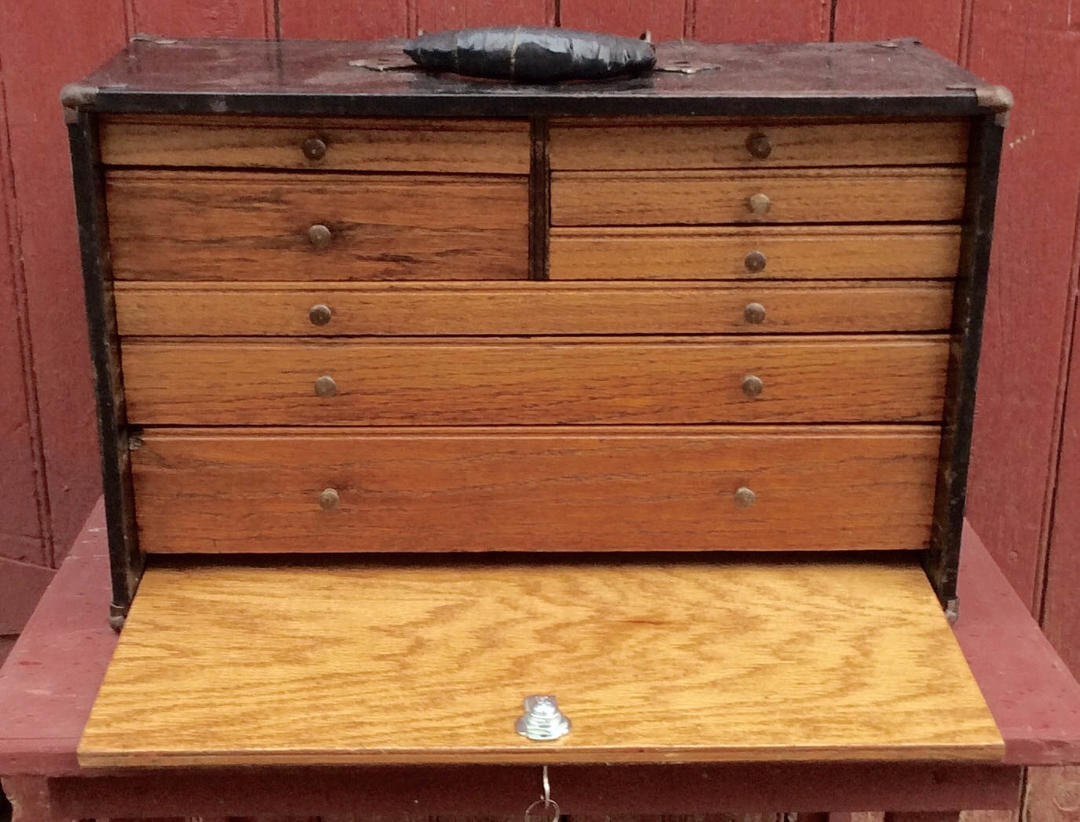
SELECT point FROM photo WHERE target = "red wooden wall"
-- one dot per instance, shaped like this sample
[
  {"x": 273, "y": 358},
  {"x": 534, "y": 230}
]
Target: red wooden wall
[{"x": 1025, "y": 478}]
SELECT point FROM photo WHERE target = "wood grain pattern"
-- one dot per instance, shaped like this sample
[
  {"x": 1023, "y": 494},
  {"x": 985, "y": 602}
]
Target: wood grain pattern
[
  {"x": 367, "y": 144},
  {"x": 262, "y": 309},
  {"x": 253, "y": 226},
  {"x": 384, "y": 663},
  {"x": 805, "y": 252},
  {"x": 535, "y": 489},
  {"x": 690, "y": 143},
  {"x": 869, "y": 195},
  {"x": 520, "y": 382}
]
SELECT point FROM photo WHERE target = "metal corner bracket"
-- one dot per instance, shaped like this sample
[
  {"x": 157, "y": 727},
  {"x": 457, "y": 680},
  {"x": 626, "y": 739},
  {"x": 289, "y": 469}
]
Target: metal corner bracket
[
  {"x": 74, "y": 96},
  {"x": 952, "y": 610},
  {"x": 117, "y": 616},
  {"x": 997, "y": 99}
]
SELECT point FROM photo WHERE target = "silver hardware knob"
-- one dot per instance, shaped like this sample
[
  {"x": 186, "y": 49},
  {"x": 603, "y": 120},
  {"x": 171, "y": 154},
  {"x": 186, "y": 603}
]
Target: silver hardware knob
[
  {"x": 759, "y": 146},
  {"x": 752, "y": 386},
  {"x": 744, "y": 497},
  {"x": 319, "y": 236},
  {"x": 314, "y": 148},
  {"x": 754, "y": 262},
  {"x": 754, "y": 313},
  {"x": 759, "y": 204},
  {"x": 325, "y": 386},
  {"x": 542, "y": 720},
  {"x": 329, "y": 499},
  {"x": 319, "y": 314}
]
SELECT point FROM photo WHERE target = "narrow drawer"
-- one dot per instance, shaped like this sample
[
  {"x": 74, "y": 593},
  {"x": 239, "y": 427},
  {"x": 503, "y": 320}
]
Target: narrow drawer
[
  {"x": 457, "y": 146},
  {"x": 702, "y": 143},
  {"x": 520, "y": 382},
  {"x": 169, "y": 225},
  {"x": 535, "y": 490},
  {"x": 870, "y": 195},
  {"x": 802, "y": 252},
  {"x": 464, "y": 309}
]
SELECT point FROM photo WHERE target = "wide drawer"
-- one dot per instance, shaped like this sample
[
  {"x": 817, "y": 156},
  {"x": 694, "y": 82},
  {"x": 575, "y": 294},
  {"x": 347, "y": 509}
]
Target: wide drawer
[
  {"x": 869, "y": 195},
  {"x": 403, "y": 309},
  {"x": 174, "y": 225},
  {"x": 517, "y": 382},
  {"x": 683, "y": 143},
  {"x": 506, "y": 489},
  {"x": 341, "y": 144},
  {"x": 724, "y": 253}
]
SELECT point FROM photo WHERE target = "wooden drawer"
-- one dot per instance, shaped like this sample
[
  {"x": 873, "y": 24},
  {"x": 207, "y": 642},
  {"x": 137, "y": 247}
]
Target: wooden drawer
[
  {"x": 462, "y": 382},
  {"x": 369, "y": 144},
  {"x": 600, "y": 489},
  {"x": 703, "y": 143},
  {"x": 402, "y": 309},
  {"x": 802, "y": 252},
  {"x": 868, "y": 195},
  {"x": 174, "y": 225}
]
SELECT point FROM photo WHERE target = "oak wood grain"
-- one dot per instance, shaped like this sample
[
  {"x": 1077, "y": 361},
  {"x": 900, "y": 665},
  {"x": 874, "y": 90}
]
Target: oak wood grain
[
  {"x": 528, "y": 307},
  {"x": 176, "y": 225},
  {"x": 240, "y": 490},
  {"x": 352, "y": 144},
  {"x": 803, "y": 252},
  {"x": 864, "y": 195},
  {"x": 517, "y": 382},
  {"x": 377, "y": 663},
  {"x": 692, "y": 143}
]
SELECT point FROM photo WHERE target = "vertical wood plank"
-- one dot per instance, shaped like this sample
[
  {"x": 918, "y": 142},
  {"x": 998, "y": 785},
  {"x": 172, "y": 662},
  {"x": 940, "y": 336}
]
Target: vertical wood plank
[
  {"x": 344, "y": 19},
  {"x": 936, "y": 22},
  {"x": 1053, "y": 795},
  {"x": 664, "y": 19},
  {"x": 771, "y": 20},
  {"x": 436, "y": 15},
  {"x": 203, "y": 18}
]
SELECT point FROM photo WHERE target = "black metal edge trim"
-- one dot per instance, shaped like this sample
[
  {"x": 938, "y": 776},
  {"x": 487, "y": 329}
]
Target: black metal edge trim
[
  {"x": 942, "y": 559},
  {"x": 539, "y": 200},
  {"x": 526, "y": 102},
  {"x": 125, "y": 559}
]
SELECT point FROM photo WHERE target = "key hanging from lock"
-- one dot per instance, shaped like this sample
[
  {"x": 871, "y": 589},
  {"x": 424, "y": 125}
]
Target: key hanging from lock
[{"x": 545, "y": 806}]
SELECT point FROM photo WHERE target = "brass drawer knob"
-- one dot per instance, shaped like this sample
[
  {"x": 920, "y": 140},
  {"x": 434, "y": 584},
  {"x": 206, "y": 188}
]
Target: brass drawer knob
[
  {"x": 759, "y": 204},
  {"x": 752, "y": 386},
  {"x": 755, "y": 262},
  {"x": 325, "y": 386},
  {"x": 759, "y": 146},
  {"x": 319, "y": 236},
  {"x": 319, "y": 314},
  {"x": 329, "y": 499},
  {"x": 744, "y": 497},
  {"x": 314, "y": 148},
  {"x": 754, "y": 313}
]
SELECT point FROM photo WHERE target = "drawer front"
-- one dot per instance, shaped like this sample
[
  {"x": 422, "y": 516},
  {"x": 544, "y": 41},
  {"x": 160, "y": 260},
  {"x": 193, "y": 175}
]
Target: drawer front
[
  {"x": 257, "y": 226},
  {"x": 870, "y": 195},
  {"x": 536, "y": 490},
  {"x": 755, "y": 253},
  {"x": 461, "y": 146},
  {"x": 682, "y": 143},
  {"x": 448, "y": 382},
  {"x": 402, "y": 309}
]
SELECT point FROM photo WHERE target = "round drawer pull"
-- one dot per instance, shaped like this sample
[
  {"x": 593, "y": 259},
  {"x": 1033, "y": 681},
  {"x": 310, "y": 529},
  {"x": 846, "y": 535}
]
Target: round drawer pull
[
  {"x": 744, "y": 497},
  {"x": 754, "y": 262},
  {"x": 329, "y": 499},
  {"x": 759, "y": 146},
  {"x": 314, "y": 148},
  {"x": 752, "y": 386},
  {"x": 759, "y": 204},
  {"x": 319, "y": 236},
  {"x": 754, "y": 313},
  {"x": 325, "y": 386},
  {"x": 319, "y": 314}
]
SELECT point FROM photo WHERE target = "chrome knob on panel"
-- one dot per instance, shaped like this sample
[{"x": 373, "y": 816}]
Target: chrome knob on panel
[
  {"x": 325, "y": 386},
  {"x": 752, "y": 386},
  {"x": 314, "y": 148},
  {"x": 759, "y": 204},
  {"x": 320, "y": 236}
]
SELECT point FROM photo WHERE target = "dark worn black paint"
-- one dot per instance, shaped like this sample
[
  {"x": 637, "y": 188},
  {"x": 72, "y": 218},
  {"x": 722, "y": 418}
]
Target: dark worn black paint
[
  {"x": 539, "y": 200},
  {"x": 126, "y": 561}
]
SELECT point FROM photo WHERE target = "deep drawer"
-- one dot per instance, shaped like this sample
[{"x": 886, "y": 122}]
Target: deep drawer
[
  {"x": 263, "y": 226},
  {"x": 521, "y": 382},
  {"x": 607, "y": 489}
]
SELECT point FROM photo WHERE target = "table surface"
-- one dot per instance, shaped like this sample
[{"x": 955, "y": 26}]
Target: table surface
[{"x": 52, "y": 675}]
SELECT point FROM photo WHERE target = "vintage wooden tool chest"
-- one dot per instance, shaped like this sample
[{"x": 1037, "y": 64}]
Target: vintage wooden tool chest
[{"x": 607, "y": 338}]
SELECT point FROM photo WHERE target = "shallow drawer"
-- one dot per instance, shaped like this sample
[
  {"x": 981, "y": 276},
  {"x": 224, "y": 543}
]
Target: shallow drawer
[
  {"x": 704, "y": 143},
  {"x": 870, "y": 195},
  {"x": 401, "y": 309},
  {"x": 464, "y": 146},
  {"x": 263, "y": 226},
  {"x": 457, "y": 382},
  {"x": 600, "y": 489},
  {"x": 803, "y": 252}
]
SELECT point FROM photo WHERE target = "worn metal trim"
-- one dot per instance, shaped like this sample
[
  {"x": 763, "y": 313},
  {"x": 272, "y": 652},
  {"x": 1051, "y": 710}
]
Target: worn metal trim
[
  {"x": 126, "y": 561},
  {"x": 942, "y": 558},
  {"x": 539, "y": 200}
]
